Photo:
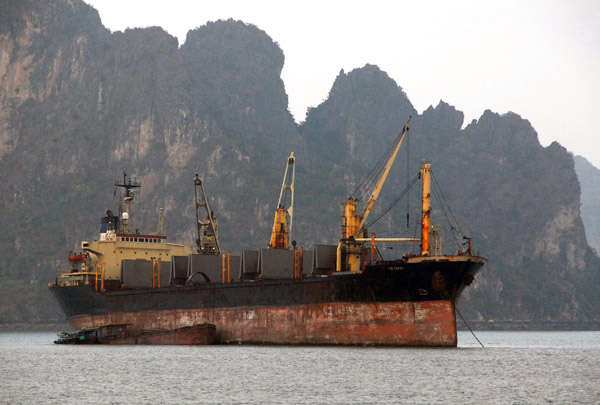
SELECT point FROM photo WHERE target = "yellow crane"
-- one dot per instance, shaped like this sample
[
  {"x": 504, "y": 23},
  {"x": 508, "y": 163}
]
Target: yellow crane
[
  {"x": 284, "y": 218},
  {"x": 353, "y": 231},
  {"x": 207, "y": 241}
]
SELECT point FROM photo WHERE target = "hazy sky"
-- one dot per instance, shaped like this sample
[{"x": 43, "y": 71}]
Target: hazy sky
[{"x": 539, "y": 59}]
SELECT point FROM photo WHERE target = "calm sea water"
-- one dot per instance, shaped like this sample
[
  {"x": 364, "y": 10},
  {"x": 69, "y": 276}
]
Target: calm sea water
[{"x": 513, "y": 368}]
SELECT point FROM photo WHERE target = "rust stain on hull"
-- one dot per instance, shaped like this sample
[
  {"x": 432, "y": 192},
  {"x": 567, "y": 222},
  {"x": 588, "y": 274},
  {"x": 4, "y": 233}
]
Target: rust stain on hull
[{"x": 426, "y": 323}]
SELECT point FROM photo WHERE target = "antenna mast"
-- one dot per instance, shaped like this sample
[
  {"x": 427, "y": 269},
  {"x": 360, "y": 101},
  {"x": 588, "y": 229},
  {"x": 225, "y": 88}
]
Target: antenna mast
[
  {"x": 129, "y": 186},
  {"x": 159, "y": 231}
]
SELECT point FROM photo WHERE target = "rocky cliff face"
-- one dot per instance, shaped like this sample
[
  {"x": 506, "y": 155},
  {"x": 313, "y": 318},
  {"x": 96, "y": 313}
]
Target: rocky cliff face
[
  {"x": 589, "y": 178},
  {"x": 80, "y": 105},
  {"x": 364, "y": 112}
]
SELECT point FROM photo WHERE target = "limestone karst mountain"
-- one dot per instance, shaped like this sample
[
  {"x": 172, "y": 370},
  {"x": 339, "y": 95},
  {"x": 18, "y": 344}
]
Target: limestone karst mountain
[{"x": 81, "y": 104}]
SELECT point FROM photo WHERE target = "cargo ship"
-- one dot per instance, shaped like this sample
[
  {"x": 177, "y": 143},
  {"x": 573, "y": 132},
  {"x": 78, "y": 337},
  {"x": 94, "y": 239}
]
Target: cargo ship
[{"x": 344, "y": 294}]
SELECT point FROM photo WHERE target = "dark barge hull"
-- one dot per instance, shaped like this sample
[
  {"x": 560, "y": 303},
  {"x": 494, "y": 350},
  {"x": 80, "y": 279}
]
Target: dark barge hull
[
  {"x": 201, "y": 334},
  {"x": 402, "y": 303}
]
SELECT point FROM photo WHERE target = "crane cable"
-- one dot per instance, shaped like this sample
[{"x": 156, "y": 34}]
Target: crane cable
[
  {"x": 394, "y": 201},
  {"x": 367, "y": 183},
  {"x": 446, "y": 209}
]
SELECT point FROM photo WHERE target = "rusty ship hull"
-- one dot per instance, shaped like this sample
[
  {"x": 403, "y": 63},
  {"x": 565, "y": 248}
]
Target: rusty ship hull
[{"x": 409, "y": 302}]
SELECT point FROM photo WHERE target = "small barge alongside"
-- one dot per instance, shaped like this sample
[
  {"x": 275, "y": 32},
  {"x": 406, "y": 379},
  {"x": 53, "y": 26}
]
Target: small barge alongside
[{"x": 126, "y": 334}]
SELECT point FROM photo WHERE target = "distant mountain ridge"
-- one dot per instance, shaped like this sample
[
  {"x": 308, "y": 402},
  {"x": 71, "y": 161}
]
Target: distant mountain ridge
[{"x": 80, "y": 105}]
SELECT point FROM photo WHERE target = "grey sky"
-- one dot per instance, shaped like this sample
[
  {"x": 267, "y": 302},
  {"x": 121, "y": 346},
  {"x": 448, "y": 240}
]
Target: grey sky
[{"x": 539, "y": 59}]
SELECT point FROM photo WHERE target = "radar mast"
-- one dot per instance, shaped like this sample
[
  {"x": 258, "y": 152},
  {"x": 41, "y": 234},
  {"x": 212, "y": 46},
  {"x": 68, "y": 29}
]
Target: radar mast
[{"x": 129, "y": 185}]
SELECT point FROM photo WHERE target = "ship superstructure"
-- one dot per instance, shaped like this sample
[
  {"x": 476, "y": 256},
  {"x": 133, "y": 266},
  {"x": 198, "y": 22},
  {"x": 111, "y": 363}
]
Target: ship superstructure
[{"x": 108, "y": 262}]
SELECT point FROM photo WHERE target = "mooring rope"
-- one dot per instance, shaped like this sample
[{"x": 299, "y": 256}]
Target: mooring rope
[{"x": 463, "y": 319}]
